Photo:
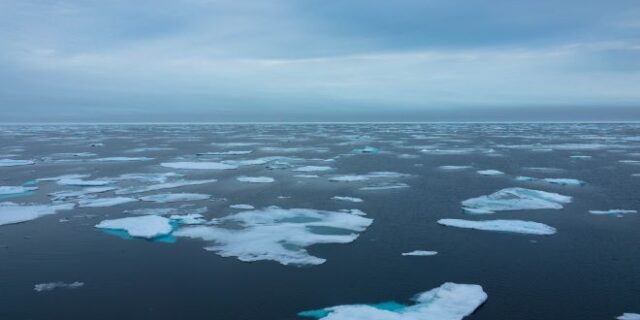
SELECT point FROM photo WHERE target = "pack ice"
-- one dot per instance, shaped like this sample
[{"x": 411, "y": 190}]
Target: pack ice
[
  {"x": 515, "y": 199},
  {"x": 277, "y": 234},
  {"x": 450, "y": 301}
]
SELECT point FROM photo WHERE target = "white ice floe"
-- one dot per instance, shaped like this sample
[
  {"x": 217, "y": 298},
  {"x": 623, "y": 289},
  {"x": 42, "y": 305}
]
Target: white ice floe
[
  {"x": 255, "y": 179},
  {"x": 490, "y": 172},
  {"x": 225, "y": 153},
  {"x": 515, "y": 199},
  {"x": 516, "y": 226},
  {"x": 12, "y": 190},
  {"x": 629, "y": 316},
  {"x": 15, "y": 163},
  {"x": 242, "y": 206},
  {"x": 148, "y": 226},
  {"x": 564, "y": 181},
  {"x": 175, "y": 197},
  {"x": 580, "y": 157},
  {"x": 192, "y": 218},
  {"x": 420, "y": 253},
  {"x": 277, "y": 234},
  {"x": 167, "y": 211},
  {"x": 66, "y": 176},
  {"x": 368, "y": 176},
  {"x": 313, "y": 169},
  {"x": 162, "y": 186},
  {"x": 307, "y": 176},
  {"x": 122, "y": 159},
  {"x": 64, "y": 196},
  {"x": 385, "y": 186},
  {"x": 190, "y": 165},
  {"x": 617, "y": 212},
  {"x": 104, "y": 202},
  {"x": 450, "y": 301},
  {"x": 630, "y": 161},
  {"x": 83, "y": 183},
  {"x": 453, "y": 168},
  {"x": 15, "y": 213},
  {"x": 348, "y": 199},
  {"x": 41, "y": 287}
]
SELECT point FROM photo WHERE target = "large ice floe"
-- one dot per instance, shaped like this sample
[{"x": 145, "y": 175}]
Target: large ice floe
[
  {"x": 629, "y": 316},
  {"x": 15, "y": 213},
  {"x": 41, "y": 287},
  {"x": 515, "y": 199},
  {"x": 149, "y": 226},
  {"x": 175, "y": 197},
  {"x": 190, "y": 165},
  {"x": 15, "y": 163},
  {"x": 516, "y": 226},
  {"x": 277, "y": 234},
  {"x": 450, "y": 301}
]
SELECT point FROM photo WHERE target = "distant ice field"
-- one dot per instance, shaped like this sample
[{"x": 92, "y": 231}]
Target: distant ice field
[{"x": 325, "y": 221}]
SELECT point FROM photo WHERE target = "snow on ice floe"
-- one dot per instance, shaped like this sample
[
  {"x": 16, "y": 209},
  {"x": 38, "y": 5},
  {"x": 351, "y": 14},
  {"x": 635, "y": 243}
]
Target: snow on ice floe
[
  {"x": 515, "y": 199},
  {"x": 516, "y": 226},
  {"x": 616, "y": 212},
  {"x": 242, "y": 206},
  {"x": 420, "y": 253},
  {"x": 15, "y": 213},
  {"x": 490, "y": 172},
  {"x": 348, "y": 199},
  {"x": 629, "y": 316},
  {"x": 15, "y": 163},
  {"x": 450, "y": 301},
  {"x": 255, "y": 179},
  {"x": 122, "y": 159},
  {"x": 190, "y": 165},
  {"x": 104, "y": 202},
  {"x": 83, "y": 183},
  {"x": 313, "y": 169},
  {"x": 41, "y": 287},
  {"x": 13, "y": 190},
  {"x": 162, "y": 186},
  {"x": 175, "y": 197},
  {"x": 277, "y": 234},
  {"x": 147, "y": 226}
]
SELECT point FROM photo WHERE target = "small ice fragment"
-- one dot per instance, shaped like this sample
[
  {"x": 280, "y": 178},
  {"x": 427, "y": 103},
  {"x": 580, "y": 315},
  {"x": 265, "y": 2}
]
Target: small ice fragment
[
  {"x": 224, "y": 153},
  {"x": 580, "y": 157},
  {"x": 175, "y": 197},
  {"x": 119, "y": 159},
  {"x": 516, "y": 226},
  {"x": 255, "y": 179},
  {"x": 565, "y": 181},
  {"x": 198, "y": 165},
  {"x": 367, "y": 149},
  {"x": 83, "y": 183},
  {"x": 11, "y": 190},
  {"x": 15, "y": 163},
  {"x": 149, "y": 226},
  {"x": 617, "y": 212},
  {"x": 349, "y": 199},
  {"x": 420, "y": 253},
  {"x": 313, "y": 168},
  {"x": 451, "y": 168},
  {"x": 490, "y": 172},
  {"x": 515, "y": 199},
  {"x": 242, "y": 206},
  {"x": 104, "y": 202},
  {"x": 385, "y": 186},
  {"x": 307, "y": 176},
  {"x": 54, "y": 285}
]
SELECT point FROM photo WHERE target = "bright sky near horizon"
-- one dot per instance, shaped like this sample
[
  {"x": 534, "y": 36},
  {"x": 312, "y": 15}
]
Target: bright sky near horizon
[{"x": 308, "y": 60}]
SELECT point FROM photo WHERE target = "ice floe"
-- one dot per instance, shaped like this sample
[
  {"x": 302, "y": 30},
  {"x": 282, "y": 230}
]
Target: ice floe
[
  {"x": 104, "y": 202},
  {"x": 453, "y": 168},
  {"x": 242, "y": 206},
  {"x": 515, "y": 199},
  {"x": 277, "y": 234},
  {"x": 420, "y": 253},
  {"x": 122, "y": 159},
  {"x": 148, "y": 226},
  {"x": 64, "y": 196},
  {"x": 348, "y": 199},
  {"x": 565, "y": 181},
  {"x": 616, "y": 212},
  {"x": 516, "y": 226},
  {"x": 189, "y": 165},
  {"x": 490, "y": 172},
  {"x": 15, "y": 163},
  {"x": 629, "y": 316},
  {"x": 255, "y": 179},
  {"x": 368, "y": 176},
  {"x": 41, "y": 287},
  {"x": 188, "y": 219},
  {"x": 13, "y": 190},
  {"x": 15, "y": 213},
  {"x": 83, "y": 183},
  {"x": 450, "y": 301},
  {"x": 385, "y": 186},
  {"x": 313, "y": 169},
  {"x": 175, "y": 197},
  {"x": 225, "y": 153},
  {"x": 162, "y": 186}
]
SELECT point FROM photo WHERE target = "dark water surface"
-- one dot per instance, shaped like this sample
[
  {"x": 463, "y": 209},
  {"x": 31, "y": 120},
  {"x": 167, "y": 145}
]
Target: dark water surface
[{"x": 590, "y": 269}]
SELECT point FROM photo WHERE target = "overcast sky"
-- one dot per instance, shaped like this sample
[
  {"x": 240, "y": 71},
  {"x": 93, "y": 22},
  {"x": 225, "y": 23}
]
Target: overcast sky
[{"x": 319, "y": 60}]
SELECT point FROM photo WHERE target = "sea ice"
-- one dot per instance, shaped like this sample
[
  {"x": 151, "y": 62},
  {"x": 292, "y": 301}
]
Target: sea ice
[
  {"x": 420, "y": 253},
  {"x": 83, "y": 183},
  {"x": 514, "y": 199},
  {"x": 242, "y": 206},
  {"x": 454, "y": 167},
  {"x": 198, "y": 165},
  {"x": 629, "y": 316},
  {"x": 385, "y": 186},
  {"x": 490, "y": 172},
  {"x": 12, "y": 190},
  {"x": 517, "y": 226},
  {"x": 14, "y": 213},
  {"x": 55, "y": 285},
  {"x": 225, "y": 153},
  {"x": 277, "y": 234},
  {"x": 120, "y": 159},
  {"x": 450, "y": 301},
  {"x": 162, "y": 186},
  {"x": 313, "y": 168},
  {"x": 149, "y": 226},
  {"x": 617, "y": 212},
  {"x": 192, "y": 218},
  {"x": 15, "y": 163},
  {"x": 62, "y": 196},
  {"x": 104, "y": 202},
  {"x": 564, "y": 181},
  {"x": 349, "y": 199},
  {"x": 175, "y": 197},
  {"x": 255, "y": 179}
]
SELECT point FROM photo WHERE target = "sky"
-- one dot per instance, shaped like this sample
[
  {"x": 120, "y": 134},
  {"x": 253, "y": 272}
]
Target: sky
[{"x": 319, "y": 60}]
